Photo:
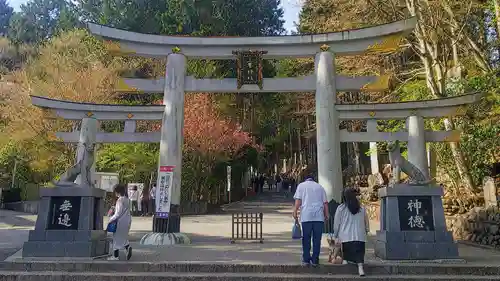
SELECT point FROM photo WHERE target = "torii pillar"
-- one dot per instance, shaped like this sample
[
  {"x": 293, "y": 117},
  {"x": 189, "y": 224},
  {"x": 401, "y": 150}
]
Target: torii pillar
[
  {"x": 167, "y": 219},
  {"x": 327, "y": 129}
]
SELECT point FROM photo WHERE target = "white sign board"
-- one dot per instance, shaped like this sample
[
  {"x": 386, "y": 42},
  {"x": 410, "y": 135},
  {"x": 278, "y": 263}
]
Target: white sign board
[
  {"x": 164, "y": 191},
  {"x": 106, "y": 181},
  {"x": 228, "y": 178}
]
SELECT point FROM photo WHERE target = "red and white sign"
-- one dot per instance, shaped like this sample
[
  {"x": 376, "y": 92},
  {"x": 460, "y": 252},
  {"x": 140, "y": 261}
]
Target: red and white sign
[{"x": 164, "y": 190}]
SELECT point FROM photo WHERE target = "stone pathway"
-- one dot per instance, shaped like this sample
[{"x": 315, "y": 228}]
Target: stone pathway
[
  {"x": 211, "y": 239},
  {"x": 210, "y": 235},
  {"x": 14, "y": 228}
]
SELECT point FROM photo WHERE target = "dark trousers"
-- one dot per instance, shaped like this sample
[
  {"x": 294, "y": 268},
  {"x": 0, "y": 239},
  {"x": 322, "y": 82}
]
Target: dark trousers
[
  {"x": 134, "y": 208},
  {"x": 145, "y": 206},
  {"x": 311, "y": 230},
  {"x": 153, "y": 206}
]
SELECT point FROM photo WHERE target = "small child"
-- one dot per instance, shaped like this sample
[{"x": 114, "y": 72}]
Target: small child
[
  {"x": 334, "y": 251},
  {"x": 121, "y": 215}
]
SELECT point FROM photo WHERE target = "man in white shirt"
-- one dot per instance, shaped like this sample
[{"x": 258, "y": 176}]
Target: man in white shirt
[
  {"x": 310, "y": 199},
  {"x": 152, "y": 196},
  {"x": 134, "y": 199}
]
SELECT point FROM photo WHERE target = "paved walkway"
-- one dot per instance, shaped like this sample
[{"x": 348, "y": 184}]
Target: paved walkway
[
  {"x": 211, "y": 239},
  {"x": 14, "y": 228},
  {"x": 211, "y": 234}
]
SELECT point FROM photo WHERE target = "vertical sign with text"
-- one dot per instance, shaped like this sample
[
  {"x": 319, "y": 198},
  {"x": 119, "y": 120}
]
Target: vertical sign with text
[
  {"x": 164, "y": 190},
  {"x": 228, "y": 178},
  {"x": 229, "y": 182}
]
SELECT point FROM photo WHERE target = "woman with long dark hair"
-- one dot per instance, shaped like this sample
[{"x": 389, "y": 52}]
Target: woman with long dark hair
[{"x": 351, "y": 226}]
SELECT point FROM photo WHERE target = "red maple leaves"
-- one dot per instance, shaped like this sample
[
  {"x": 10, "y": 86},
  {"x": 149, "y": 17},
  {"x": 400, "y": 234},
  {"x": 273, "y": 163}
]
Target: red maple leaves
[{"x": 207, "y": 132}]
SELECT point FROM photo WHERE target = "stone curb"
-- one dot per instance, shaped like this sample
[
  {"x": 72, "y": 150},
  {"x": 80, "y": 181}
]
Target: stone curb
[
  {"x": 476, "y": 245},
  {"x": 371, "y": 269},
  {"x": 146, "y": 276}
]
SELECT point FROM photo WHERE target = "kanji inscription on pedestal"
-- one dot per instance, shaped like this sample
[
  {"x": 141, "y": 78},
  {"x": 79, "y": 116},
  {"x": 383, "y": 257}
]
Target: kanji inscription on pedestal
[
  {"x": 415, "y": 213},
  {"x": 65, "y": 213}
]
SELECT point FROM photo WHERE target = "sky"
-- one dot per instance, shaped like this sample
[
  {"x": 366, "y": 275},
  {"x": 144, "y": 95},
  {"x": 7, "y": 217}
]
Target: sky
[{"x": 290, "y": 7}]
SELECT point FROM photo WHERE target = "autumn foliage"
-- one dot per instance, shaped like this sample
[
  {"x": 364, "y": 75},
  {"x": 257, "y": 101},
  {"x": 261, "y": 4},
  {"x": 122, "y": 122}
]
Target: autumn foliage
[
  {"x": 209, "y": 133},
  {"x": 72, "y": 67}
]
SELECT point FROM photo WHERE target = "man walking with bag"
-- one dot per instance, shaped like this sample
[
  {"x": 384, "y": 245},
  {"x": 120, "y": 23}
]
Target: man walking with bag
[{"x": 310, "y": 199}]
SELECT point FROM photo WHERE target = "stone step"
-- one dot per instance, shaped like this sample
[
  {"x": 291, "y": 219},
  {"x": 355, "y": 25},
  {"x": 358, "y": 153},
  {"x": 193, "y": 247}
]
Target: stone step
[
  {"x": 188, "y": 276},
  {"x": 152, "y": 267}
]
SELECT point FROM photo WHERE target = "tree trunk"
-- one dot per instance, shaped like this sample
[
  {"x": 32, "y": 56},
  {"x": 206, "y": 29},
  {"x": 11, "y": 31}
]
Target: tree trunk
[
  {"x": 458, "y": 156},
  {"x": 357, "y": 158},
  {"x": 430, "y": 53},
  {"x": 290, "y": 134},
  {"x": 478, "y": 54},
  {"x": 457, "y": 67},
  {"x": 299, "y": 144},
  {"x": 496, "y": 3}
]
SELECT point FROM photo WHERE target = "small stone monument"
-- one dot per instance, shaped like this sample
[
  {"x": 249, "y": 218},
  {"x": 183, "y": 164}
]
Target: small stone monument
[
  {"x": 70, "y": 216},
  {"x": 490, "y": 192},
  {"x": 412, "y": 225}
]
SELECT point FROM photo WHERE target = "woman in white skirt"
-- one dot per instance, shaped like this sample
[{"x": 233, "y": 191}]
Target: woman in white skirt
[
  {"x": 123, "y": 221},
  {"x": 351, "y": 226}
]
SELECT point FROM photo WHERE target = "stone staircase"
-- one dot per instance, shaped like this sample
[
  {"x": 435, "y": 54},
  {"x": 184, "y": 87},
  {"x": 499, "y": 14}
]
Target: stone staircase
[
  {"x": 147, "y": 271},
  {"x": 266, "y": 202}
]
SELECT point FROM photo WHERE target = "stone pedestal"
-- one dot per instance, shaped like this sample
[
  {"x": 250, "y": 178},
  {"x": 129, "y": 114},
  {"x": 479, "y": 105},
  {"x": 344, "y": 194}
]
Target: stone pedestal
[
  {"x": 172, "y": 224},
  {"x": 166, "y": 231},
  {"x": 69, "y": 224},
  {"x": 412, "y": 225}
]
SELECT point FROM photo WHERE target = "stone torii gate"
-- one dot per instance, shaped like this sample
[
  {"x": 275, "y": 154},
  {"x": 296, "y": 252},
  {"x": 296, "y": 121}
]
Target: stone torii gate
[{"x": 325, "y": 82}]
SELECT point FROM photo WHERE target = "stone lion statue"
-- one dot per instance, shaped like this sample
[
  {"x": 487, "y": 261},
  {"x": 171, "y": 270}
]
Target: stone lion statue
[{"x": 400, "y": 164}]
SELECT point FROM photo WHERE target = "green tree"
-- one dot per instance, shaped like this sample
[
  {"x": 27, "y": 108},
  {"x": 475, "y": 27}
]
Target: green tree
[
  {"x": 74, "y": 66},
  {"x": 131, "y": 161},
  {"x": 6, "y": 12},
  {"x": 41, "y": 19},
  {"x": 194, "y": 17},
  {"x": 135, "y": 15}
]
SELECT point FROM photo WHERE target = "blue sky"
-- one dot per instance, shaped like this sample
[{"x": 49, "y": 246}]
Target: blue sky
[{"x": 291, "y": 8}]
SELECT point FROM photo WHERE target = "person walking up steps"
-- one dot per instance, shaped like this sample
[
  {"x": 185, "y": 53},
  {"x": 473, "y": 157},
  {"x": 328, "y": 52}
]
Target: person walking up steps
[
  {"x": 310, "y": 199},
  {"x": 123, "y": 221},
  {"x": 351, "y": 226}
]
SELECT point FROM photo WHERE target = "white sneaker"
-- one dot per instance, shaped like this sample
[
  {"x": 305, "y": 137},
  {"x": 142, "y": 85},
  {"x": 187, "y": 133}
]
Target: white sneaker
[
  {"x": 344, "y": 262},
  {"x": 361, "y": 270},
  {"x": 113, "y": 258}
]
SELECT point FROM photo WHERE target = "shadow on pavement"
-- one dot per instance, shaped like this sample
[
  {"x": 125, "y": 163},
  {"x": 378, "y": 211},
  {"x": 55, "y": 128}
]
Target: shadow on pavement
[{"x": 14, "y": 219}]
